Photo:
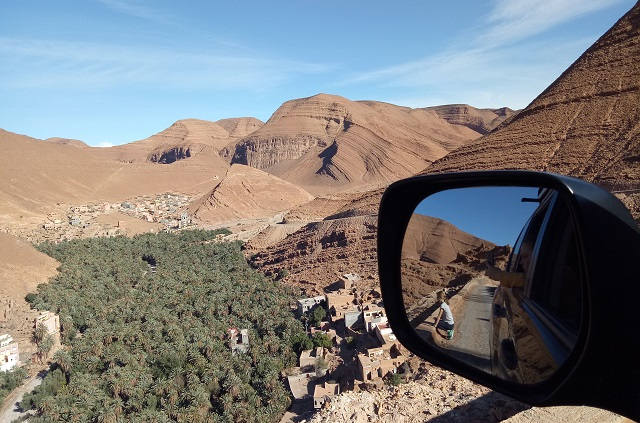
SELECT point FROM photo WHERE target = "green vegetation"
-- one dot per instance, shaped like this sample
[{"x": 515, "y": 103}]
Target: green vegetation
[
  {"x": 394, "y": 379},
  {"x": 153, "y": 345},
  {"x": 302, "y": 342},
  {"x": 317, "y": 315},
  {"x": 52, "y": 384},
  {"x": 322, "y": 340},
  {"x": 10, "y": 380}
]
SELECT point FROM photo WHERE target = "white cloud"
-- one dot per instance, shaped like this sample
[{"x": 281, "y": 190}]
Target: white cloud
[
  {"x": 502, "y": 64},
  {"x": 137, "y": 9},
  {"x": 512, "y": 20},
  {"x": 43, "y": 64},
  {"x": 104, "y": 144}
]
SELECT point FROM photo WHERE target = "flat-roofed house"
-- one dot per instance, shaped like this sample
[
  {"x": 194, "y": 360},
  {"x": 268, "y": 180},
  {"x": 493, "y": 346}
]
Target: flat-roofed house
[
  {"x": 310, "y": 357},
  {"x": 373, "y": 315},
  {"x": 339, "y": 303},
  {"x": 377, "y": 363},
  {"x": 347, "y": 280},
  {"x": 9, "y": 353},
  {"x": 301, "y": 384},
  {"x": 50, "y": 321},
  {"x": 352, "y": 317},
  {"x": 384, "y": 334},
  {"x": 306, "y": 304}
]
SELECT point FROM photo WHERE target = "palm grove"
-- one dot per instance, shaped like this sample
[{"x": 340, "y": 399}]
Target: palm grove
[{"x": 148, "y": 342}]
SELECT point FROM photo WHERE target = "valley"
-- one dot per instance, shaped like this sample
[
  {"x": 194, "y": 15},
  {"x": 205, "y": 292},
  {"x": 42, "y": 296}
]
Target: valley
[{"x": 229, "y": 267}]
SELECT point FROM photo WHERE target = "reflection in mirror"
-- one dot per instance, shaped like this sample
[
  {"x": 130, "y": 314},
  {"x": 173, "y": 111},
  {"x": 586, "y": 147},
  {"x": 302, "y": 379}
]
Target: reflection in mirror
[{"x": 491, "y": 277}]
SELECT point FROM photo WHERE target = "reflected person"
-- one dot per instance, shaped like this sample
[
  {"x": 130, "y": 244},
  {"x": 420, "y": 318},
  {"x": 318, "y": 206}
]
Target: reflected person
[{"x": 444, "y": 320}]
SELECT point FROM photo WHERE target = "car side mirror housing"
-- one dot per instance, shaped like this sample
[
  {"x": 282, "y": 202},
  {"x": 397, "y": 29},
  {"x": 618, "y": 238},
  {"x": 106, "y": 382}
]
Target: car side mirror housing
[{"x": 525, "y": 282}]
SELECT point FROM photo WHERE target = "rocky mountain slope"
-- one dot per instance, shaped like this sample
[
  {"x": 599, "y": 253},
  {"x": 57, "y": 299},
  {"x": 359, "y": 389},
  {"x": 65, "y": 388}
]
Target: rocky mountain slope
[
  {"x": 482, "y": 121},
  {"x": 318, "y": 252},
  {"x": 437, "y": 241},
  {"x": 435, "y": 395},
  {"x": 184, "y": 139},
  {"x": 585, "y": 124},
  {"x": 327, "y": 143},
  {"x": 245, "y": 192}
]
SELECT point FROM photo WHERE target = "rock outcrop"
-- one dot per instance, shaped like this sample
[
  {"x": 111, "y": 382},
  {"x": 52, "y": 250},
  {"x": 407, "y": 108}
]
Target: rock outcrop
[
  {"x": 314, "y": 255},
  {"x": 431, "y": 393},
  {"x": 326, "y": 143}
]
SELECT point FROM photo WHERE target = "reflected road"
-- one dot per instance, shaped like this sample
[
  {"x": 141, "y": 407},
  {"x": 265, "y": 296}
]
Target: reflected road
[{"x": 472, "y": 313}]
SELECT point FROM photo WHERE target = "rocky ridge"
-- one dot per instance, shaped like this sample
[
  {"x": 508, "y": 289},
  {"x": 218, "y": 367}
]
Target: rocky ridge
[
  {"x": 327, "y": 143},
  {"x": 245, "y": 192},
  {"x": 482, "y": 121}
]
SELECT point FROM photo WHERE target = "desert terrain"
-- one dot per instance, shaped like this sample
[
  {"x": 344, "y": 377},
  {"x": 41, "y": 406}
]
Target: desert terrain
[{"x": 302, "y": 190}]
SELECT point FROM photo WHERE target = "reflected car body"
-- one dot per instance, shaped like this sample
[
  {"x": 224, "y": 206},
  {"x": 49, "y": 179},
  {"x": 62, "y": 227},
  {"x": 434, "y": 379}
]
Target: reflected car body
[{"x": 536, "y": 315}]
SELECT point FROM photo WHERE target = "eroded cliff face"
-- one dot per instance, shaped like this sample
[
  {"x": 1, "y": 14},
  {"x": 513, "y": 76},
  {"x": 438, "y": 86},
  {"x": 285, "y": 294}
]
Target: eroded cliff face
[
  {"x": 263, "y": 153},
  {"x": 319, "y": 251},
  {"x": 297, "y": 127},
  {"x": 167, "y": 156}
]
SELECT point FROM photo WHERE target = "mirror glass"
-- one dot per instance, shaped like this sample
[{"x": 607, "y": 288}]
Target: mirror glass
[{"x": 492, "y": 277}]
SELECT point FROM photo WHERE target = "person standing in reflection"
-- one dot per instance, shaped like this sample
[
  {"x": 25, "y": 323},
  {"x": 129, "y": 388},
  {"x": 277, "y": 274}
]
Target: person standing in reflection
[{"x": 445, "y": 317}]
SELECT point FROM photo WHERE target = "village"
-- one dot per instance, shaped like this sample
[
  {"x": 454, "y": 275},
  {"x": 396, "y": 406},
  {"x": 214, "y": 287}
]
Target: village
[
  {"x": 353, "y": 346},
  {"x": 163, "y": 212}
]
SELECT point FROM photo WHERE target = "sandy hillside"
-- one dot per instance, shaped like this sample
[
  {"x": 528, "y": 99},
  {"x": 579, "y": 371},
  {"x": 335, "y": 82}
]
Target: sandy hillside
[
  {"x": 48, "y": 173},
  {"x": 327, "y": 143},
  {"x": 67, "y": 141},
  {"x": 585, "y": 124},
  {"x": 437, "y": 241},
  {"x": 245, "y": 192},
  {"x": 22, "y": 269}
]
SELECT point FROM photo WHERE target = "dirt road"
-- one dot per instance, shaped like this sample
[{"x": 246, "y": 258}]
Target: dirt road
[
  {"x": 10, "y": 411},
  {"x": 473, "y": 326},
  {"x": 471, "y": 308}
]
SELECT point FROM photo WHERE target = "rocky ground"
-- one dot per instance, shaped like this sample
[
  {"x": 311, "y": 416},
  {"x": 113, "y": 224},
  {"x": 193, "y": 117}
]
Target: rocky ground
[
  {"x": 433, "y": 394},
  {"x": 436, "y": 395}
]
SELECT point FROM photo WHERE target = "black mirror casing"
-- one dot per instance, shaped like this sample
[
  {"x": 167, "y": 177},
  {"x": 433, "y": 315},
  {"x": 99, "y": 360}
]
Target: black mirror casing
[{"x": 602, "y": 370}]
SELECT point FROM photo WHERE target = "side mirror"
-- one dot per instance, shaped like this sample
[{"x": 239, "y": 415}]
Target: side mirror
[{"x": 525, "y": 282}]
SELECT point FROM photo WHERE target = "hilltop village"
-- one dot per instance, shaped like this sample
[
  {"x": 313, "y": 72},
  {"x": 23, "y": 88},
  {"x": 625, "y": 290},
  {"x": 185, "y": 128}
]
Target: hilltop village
[{"x": 350, "y": 345}]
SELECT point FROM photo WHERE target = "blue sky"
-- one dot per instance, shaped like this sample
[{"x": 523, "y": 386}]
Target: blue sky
[
  {"x": 113, "y": 71},
  {"x": 495, "y": 214}
]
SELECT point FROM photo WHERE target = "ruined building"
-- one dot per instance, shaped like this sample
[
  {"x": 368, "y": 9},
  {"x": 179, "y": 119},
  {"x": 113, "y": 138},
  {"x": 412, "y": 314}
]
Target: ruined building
[
  {"x": 238, "y": 340},
  {"x": 323, "y": 392}
]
